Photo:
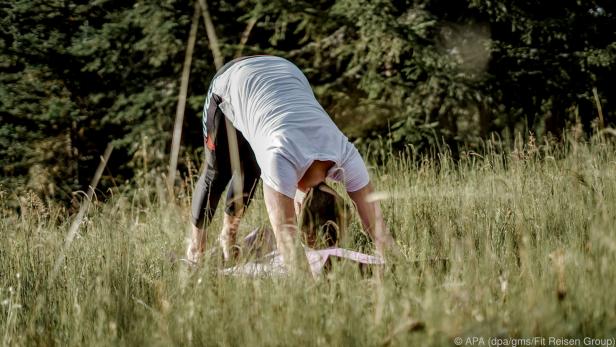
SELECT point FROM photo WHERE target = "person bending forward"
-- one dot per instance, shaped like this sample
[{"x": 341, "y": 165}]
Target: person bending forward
[{"x": 268, "y": 103}]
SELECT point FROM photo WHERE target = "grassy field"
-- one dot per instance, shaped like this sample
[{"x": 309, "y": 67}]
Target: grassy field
[{"x": 529, "y": 236}]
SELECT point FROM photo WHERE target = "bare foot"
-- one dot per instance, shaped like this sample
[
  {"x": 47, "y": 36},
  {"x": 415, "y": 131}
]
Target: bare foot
[
  {"x": 196, "y": 246},
  {"x": 228, "y": 236}
]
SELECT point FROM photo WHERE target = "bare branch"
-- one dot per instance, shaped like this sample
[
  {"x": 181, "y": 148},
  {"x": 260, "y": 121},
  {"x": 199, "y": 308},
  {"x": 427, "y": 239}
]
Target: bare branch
[
  {"x": 72, "y": 232},
  {"x": 245, "y": 35},
  {"x": 211, "y": 34}
]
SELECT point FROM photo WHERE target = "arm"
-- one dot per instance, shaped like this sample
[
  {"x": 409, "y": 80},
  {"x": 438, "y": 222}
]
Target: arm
[
  {"x": 282, "y": 217},
  {"x": 372, "y": 219},
  {"x": 357, "y": 182}
]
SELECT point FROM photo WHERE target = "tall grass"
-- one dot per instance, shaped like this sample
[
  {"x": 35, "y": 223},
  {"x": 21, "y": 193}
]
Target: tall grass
[{"x": 528, "y": 235}]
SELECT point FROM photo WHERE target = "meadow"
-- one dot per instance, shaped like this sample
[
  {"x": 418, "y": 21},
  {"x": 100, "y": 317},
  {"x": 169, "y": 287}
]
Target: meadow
[{"x": 524, "y": 241}]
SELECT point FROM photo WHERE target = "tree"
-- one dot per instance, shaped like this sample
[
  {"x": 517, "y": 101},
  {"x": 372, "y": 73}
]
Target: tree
[{"x": 417, "y": 72}]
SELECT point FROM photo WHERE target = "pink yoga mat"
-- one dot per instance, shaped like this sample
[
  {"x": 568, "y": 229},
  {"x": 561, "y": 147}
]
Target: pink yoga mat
[{"x": 272, "y": 264}]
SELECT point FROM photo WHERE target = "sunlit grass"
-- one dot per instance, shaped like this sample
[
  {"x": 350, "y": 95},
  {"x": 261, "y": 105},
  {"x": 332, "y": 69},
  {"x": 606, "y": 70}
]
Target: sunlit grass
[{"x": 528, "y": 236}]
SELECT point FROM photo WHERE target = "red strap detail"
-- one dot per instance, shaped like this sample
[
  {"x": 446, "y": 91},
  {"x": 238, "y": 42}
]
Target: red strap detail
[{"x": 210, "y": 143}]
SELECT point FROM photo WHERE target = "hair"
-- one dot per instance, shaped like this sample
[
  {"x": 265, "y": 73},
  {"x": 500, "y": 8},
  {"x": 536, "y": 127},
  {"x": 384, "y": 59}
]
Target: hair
[{"x": 323, "y": 217}]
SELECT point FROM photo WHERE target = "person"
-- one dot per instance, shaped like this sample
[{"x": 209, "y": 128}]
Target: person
[
  {"x": 218, "y": 173},
  {"x": 261, "y": 114}
]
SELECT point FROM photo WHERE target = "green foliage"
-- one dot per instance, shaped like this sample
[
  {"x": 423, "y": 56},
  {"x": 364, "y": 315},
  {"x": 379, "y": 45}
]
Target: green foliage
[
  {"x": 419, "y": 72},
  {"x": 78, "y": 76},
  {"x": 424, "y": 71}
]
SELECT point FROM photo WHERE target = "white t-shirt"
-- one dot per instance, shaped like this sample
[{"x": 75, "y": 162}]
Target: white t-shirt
[{"x": 270, "y": 101}]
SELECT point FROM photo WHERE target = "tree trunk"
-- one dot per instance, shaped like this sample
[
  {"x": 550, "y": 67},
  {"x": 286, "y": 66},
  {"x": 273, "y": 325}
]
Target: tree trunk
[{"x": 181, "y": 106}]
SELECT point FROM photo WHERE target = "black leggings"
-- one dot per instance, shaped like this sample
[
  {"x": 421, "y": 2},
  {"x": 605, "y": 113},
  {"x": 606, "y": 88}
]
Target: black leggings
[{"x": 218, "y": 172}]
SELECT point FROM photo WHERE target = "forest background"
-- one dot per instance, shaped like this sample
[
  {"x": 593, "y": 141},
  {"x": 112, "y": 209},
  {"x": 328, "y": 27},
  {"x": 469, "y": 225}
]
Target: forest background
[{"x": 394, "y": 75}]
